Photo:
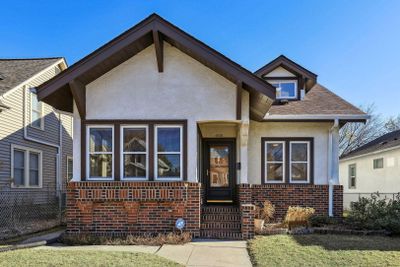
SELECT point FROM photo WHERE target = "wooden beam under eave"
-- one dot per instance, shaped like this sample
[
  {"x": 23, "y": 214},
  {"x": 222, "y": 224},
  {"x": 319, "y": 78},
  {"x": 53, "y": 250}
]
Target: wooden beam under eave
[
  {"x": 159, "y": 46},
  {"x": 239, "y": 100},
  {"x": 78, "y": 91}
]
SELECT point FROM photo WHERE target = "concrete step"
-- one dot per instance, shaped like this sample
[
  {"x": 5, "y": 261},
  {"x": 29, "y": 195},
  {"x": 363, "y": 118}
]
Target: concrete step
[
  {"x": 221, "y": 226},
  {"x": 213, "y": 234}
]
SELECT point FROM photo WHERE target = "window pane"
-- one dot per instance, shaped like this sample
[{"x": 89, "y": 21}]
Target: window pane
[
  {"x": 19, "y": 168},
  {"x": 34, "y": 178},
  {"x": 33, "y": 161},
  {"x": 219, "y": 166},
  {"x": 169, "y": 166},
  {"x": 19, "y": 159},
  {"x": 299, "y": 151},
  {"x": 169, "y": 139},
  {"x": 100, "y": 166},
  {"x": 36, "y": 105},
  {"x": 100, "y": 140},
  {"x": 287, "y": 89},
  {"x": 19, "y": 176},
  {"x": 275, "y": 172},
  {"x": 134, "y": 139},
  {"x": 299, "y": 171},
  {"x": 36, "y": 121},
  {"x": 70, "y": 169},
  {"x": 378, "y": 163},
  {"x": 135, "y": 165},
  {"x": 274, "y": 152}
]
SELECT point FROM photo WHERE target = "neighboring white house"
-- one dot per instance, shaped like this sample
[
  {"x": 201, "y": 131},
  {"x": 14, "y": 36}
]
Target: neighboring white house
[{"x": 374, "y": 167}]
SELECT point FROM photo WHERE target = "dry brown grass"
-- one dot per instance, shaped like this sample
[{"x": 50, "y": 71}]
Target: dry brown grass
[
  {"x": 149, "y": 240},
  {"x": 298, "y": 216},
  {"x": 266, "y": 211}
]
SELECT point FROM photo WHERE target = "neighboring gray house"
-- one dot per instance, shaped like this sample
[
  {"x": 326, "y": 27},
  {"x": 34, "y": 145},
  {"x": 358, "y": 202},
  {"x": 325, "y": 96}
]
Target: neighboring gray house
[{"x": 35, "y": 138}]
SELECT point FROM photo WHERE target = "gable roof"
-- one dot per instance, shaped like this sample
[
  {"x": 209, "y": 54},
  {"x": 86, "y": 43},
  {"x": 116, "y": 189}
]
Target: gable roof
[
  {"x": 287, "y": 64},
  {"x": 387, "y": 141},
  {"x": 154, "y": 29},
  {"x": 13, "y": 72},
  {"x": 318, "y": 104}
]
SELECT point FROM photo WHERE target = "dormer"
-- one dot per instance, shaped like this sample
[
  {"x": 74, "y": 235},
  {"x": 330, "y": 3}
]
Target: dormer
[{"x": 291, "y": 80}]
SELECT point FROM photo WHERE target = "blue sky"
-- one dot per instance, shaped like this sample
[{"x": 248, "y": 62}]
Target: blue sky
[{"x": 353, "y": 46}]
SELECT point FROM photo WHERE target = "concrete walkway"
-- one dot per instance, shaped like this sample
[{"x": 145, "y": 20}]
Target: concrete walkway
[{"x": 204, "y": 253}]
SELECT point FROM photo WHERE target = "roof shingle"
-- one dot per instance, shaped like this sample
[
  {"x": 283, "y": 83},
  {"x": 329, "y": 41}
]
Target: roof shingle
[{"x": 15, "y": 71}]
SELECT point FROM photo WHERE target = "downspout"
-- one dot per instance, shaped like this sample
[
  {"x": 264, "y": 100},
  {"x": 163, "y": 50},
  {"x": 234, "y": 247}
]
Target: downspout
[
  {"x": 32, "y": 139},
  {"x": 331, "y": 176}
]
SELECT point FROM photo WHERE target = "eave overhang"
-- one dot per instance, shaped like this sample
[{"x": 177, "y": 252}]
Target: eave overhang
[{"x": 69, "y": 84}]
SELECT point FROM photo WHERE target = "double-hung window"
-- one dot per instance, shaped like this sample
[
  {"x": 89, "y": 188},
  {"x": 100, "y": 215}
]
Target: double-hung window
[
  {"x": 378, "y": 163},
  {"x": 100, "y": 157},
  {"x": 352, "y": 176},
  {"x": 274, "y": 161},
  {"x": 134, "y": 147},
  {"x": 168, "y": 152},
  {"x": 37, "y": 119},
  {"x": 287, "y": 160},
  {"x": 26, "y": 170},
  {"x": 299, "y": 162}
]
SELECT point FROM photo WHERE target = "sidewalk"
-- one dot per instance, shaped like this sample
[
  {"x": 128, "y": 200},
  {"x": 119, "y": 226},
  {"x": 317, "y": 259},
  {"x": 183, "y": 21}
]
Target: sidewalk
[{"x": 205, "y": 253}]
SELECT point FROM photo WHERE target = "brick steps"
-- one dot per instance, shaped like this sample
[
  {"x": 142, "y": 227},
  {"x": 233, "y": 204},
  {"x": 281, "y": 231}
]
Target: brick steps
[{"x": 220, "y": 222}]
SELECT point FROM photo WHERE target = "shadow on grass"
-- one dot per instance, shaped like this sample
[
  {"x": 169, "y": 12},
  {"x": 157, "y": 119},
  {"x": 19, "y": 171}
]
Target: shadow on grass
[{"x": 349, "y": 242}]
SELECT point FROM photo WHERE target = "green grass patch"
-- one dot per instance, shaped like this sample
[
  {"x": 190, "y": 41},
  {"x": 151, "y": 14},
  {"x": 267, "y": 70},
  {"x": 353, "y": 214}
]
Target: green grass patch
[
  {"x": 44, "y": 257},
  {"x": 325, "y": 250}
]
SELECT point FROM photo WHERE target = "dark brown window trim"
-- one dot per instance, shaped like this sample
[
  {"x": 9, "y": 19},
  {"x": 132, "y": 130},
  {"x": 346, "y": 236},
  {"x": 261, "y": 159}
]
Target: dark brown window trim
[
  {"x": 117, "y": 125},
  {"x": 287, "y": 141}
]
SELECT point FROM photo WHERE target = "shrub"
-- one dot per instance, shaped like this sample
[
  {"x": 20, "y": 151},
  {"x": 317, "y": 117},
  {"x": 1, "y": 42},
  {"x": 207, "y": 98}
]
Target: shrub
[
  {"x": 298, "y": 216},
  {"x": 321, "y": 220},
  {"x": 149, "y": 240},
  {"x": 266, "y": 211},
  {"x": 375, "y": 213}
]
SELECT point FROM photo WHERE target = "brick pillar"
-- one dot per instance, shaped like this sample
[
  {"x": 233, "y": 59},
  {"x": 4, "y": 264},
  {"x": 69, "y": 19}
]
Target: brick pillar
[
  {"x": 338, "y": 201},
  {"x": 247, "y": 212}
]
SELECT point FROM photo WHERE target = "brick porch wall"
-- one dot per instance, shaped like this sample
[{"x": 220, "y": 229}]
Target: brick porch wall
[{"x": 121, "y": 208}]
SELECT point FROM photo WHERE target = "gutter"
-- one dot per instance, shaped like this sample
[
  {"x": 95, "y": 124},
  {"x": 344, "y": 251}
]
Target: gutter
[
  {"x": 344, "y": 117},
  {"x": 332, "y": 154},
  {"x": 57, "y": 146}
]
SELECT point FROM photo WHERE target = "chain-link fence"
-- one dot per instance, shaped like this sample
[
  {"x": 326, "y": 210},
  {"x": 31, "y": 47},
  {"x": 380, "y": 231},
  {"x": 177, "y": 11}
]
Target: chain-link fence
[
  {"x": 24, "y": 211},
  {"x": 352, "y": 197}
]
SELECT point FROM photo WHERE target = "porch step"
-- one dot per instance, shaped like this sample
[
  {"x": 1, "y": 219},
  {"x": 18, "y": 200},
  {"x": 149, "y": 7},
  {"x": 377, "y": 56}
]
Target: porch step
[
  {"x": 220, "y": 234},
  {"x": 220, "y": 222}
]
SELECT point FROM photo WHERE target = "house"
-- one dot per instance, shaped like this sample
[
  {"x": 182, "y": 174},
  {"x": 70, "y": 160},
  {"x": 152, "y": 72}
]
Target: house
[
  {"x": 35, "y": 143},
  {"x": 165, "y": 127},
  {"x": 373, "y": 167}
]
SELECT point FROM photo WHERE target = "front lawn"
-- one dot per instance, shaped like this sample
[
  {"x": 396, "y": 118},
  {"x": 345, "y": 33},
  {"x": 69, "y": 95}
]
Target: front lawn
[
  {"x": 325, "y": 250},
  {"x": 44, "y": 257}
]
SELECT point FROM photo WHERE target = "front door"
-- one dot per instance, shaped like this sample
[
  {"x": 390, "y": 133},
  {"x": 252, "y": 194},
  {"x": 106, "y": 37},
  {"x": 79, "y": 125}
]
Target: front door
[{"x": 219, "y": 170}]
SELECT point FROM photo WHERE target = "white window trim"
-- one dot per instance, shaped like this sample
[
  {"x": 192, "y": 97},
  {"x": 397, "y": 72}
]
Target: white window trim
[
  {"x": 156, "y": 153},
  {"x": 286, "y": 81},
  {"x": 88, "y": 154},
  {"x": 122, "y": 169},
  {"x": 27, "y": 150},
  {"x": 351, "y": 176},
  {"x": 266, "y": 161},
  {"x": 68, "y": 159},
  {"x": 308, "y": 162},
  {"x": 31, "y": 112}
]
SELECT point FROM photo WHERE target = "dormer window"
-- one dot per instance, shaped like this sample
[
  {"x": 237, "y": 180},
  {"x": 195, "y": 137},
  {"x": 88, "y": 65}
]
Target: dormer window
[{"x": 285, "y": 89}]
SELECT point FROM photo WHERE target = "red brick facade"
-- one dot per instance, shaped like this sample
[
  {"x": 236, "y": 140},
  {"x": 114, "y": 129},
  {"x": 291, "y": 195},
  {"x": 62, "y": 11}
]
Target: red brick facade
[{"x": 121, "y": 208}]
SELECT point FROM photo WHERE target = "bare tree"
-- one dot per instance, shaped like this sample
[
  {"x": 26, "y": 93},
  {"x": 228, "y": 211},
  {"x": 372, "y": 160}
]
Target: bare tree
[
  {"x": 354, "y": 135},
  {"x": 392, "y": 124}
]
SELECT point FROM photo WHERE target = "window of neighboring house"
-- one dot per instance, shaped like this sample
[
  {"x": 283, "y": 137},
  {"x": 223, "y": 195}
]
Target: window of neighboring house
[
  {"x": 168, "y": 152},
  {"x": 285, "y": 89},
  {"x": 274, "y": 161},
  {"x": 299, "y": 161},
  {"x": 100, "y": 156},
  {"x": 134, "y": 148},
  {"x": 69, "y": 168},
  {"x": 26, "y": 167},
  {"x": 378, "y": 163},
  {"x": 292, "y": 154},
  {"x": 352, "y": 176},
  {"x": 37, "y": 119}
]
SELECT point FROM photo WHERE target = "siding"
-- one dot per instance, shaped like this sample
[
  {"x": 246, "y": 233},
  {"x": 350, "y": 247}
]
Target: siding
[{"x": 12, "y": 132}]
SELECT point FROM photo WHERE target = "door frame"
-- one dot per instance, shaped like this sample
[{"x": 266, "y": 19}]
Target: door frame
[{"x": 232, "y": 168}]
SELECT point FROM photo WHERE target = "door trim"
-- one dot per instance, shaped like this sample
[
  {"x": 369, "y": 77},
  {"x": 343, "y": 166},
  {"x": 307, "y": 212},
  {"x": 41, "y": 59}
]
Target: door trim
[{"x": 232, "y": 168}]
